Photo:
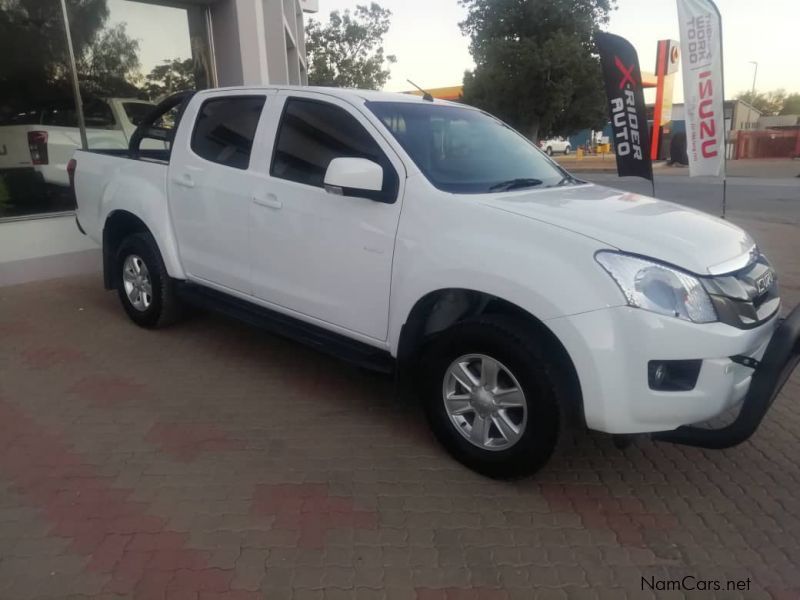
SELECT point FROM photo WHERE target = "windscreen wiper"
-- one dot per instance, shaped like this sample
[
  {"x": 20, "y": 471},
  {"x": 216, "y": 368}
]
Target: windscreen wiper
[
  {"x": 568, "y": 180},
  {"x": 515, "y": 184}
]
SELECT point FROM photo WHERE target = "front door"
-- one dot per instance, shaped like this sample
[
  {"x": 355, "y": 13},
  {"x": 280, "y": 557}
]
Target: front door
[
  {"x": 211, "y": 188},
  {"x": 324, "y": 256}
]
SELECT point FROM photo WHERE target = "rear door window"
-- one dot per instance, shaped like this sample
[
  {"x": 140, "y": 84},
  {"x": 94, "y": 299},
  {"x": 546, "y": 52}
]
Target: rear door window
[{"x": 225, "y": 130}]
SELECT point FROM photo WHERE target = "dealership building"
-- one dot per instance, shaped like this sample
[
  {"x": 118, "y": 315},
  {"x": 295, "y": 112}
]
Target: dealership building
[{"x": 223, "y": 42}]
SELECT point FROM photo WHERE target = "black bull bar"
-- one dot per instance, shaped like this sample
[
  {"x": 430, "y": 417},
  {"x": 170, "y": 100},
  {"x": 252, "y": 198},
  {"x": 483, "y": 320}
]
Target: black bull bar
[{"x": 772, "y": 372}]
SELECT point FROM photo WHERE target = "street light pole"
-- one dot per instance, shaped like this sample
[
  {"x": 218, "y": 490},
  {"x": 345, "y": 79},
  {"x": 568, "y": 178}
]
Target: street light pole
[
  {"x": 76, "y": 90},
  {"x": 755, "y": 74}
]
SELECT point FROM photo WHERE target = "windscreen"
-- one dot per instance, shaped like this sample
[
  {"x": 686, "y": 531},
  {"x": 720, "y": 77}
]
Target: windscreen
[{"x": 462, "y": 150}]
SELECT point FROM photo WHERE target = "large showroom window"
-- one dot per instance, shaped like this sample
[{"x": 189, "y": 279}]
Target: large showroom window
[{"x": 128, "y": 55}]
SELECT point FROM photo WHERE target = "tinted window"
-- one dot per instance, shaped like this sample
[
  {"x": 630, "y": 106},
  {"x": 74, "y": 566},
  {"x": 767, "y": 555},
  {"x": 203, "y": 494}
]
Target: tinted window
[
  {"x": 61, "y": 117},
  {"x": 30, "y": 117},
  {"x": 98, "y": 115},
  {"x": 136, "y": 111},
  {"x": 313, "y": 133},
  {"x": 462, "y": 150},
  {"x": 225, "y": 130}
]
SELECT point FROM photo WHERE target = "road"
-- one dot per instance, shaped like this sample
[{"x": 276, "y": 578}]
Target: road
[{"x": 753, "y": 199}]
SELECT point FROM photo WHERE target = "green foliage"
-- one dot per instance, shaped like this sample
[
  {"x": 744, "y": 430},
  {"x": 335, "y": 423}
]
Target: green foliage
[
  {"x": 170, "y": 77},
  {"x": 35, "y": 57},
  {"x": 769, "y": 103},
  {"x": 791, "y": 105},
  {"x": 110, "y": 65},
  {"x": 348, "y": 50},
  {"x": 536, "y": 63}
]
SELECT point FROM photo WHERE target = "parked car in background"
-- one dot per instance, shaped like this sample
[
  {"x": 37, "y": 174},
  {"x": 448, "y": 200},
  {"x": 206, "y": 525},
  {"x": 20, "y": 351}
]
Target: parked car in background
[
  {"x": 37, "y": 144},
  {"x": 556, "y": 144},
  {"x": 431, "y": 240}
]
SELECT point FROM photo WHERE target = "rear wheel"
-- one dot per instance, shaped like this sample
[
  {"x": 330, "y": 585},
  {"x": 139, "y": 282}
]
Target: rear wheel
[
  {"x": 567, "y": 150},
  {"x": 489, "y": 397},
  {"x": 549, "y": 151},
  {"x": 145, "y": 289}
]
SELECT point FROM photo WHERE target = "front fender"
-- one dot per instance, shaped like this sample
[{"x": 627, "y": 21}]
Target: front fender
[{"x": 545, "y": 270}]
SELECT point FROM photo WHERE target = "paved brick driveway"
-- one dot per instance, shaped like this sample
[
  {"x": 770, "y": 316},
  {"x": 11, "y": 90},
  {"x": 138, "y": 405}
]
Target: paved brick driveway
[{"x": 213, "y": 461}]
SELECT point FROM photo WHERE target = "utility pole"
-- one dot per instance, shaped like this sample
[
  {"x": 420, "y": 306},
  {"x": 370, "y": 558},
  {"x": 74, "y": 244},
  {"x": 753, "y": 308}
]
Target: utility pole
[{"x": 755, "y": 74}]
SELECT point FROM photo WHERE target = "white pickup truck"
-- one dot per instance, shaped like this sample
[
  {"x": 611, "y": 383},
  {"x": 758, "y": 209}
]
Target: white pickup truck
[
  {"x": 39, "y": 143},
  {"x": 427, "y": 237}
]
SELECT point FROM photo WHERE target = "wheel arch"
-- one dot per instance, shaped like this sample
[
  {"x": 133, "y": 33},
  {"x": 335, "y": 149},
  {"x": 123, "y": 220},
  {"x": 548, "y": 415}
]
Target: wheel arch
[
  {"x": 118, "y": 225},
  {"x": 438, "y": 310}
]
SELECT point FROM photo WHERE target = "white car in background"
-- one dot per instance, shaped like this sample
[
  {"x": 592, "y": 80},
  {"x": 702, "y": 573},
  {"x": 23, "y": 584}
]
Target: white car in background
[
  {"x": 42, "y": 141},
  {"x": 556, "y": 144}
]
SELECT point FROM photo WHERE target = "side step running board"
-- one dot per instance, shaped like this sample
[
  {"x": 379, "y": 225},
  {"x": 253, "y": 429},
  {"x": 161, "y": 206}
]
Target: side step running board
[{"x": 339, "y": 346}]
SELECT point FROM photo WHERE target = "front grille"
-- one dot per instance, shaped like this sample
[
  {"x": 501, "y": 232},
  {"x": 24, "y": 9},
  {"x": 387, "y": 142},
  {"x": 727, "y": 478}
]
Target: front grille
[{"x": 745, "y": 298}]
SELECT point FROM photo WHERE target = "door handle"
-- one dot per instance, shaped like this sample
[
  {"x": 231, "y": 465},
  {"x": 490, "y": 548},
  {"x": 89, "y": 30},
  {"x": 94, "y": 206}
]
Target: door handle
[
  {"x": 268, "y": 201},
  {"x": 184, "y": 180}
]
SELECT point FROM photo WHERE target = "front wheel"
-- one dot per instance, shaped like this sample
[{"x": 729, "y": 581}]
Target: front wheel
[
  {"x": 567, "y": 150},
  {"x": 489, "y": 397},
  {"x": 549, "y": 151},
  {"x": 145, "y": 289}
]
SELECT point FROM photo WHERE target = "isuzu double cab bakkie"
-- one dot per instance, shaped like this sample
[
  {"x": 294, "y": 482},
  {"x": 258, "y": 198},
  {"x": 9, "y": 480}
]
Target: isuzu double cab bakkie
[{"x": 426, "y": 237}]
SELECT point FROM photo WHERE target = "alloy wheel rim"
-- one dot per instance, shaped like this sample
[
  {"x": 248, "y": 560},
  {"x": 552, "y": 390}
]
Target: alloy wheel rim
[
  {"x": 485, "y": 402},
  {"x": 137, "y": 284}
]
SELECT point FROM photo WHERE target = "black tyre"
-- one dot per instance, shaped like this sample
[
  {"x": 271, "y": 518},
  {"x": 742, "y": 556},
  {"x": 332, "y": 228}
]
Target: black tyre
[
  {"x": 549, "y": 151},
  {"x": 567, "y": 150},
  {"x": 490, "y": 397},
  {"x": 144, "y": 287}
]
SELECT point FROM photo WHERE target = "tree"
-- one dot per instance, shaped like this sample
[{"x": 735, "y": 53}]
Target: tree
[
  {"x": 536, "y": 64},
  {"x": 769, "y": 103},
  {"x": 35, "y": 64},
  {"x": 791, "y": 105},
  {"x": 110, "y": 65},
  {"x": 348, "y": 50},
  {"x": 169, "y": 77}
]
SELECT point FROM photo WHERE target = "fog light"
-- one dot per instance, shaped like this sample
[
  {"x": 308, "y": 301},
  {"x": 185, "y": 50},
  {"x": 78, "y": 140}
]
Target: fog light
[{"x": 673, "y": 375}]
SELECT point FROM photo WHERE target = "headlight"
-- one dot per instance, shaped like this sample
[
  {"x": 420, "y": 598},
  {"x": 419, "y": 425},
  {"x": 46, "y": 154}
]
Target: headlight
[{"x": 658, "y": 288}]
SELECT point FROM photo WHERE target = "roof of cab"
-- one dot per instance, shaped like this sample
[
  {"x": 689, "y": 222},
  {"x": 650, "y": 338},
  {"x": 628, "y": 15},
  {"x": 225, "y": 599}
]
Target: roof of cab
[{"x": 347, "y": 93}]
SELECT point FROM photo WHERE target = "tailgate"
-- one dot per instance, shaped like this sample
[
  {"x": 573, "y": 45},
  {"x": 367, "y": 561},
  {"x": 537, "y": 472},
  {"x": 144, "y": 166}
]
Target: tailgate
[{"x": 14, "y": 152}]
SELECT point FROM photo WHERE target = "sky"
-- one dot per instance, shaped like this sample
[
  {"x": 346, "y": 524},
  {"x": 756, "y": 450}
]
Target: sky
[{"x": 432, "y": 52}]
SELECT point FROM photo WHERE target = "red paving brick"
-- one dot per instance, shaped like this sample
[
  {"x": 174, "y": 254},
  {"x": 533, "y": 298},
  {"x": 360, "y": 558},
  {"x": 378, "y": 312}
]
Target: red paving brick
[
  {"x": 310, "y": 510},
  {"x": 185, "y": 441},
  {"x": 211, "y": 461},
  {"x": 100, "y": 521}
]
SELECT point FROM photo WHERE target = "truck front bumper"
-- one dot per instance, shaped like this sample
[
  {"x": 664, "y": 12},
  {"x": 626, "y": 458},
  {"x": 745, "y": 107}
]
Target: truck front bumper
[
  {"x": 611, "y": 349},
  {"x": 769, "y": 376}
]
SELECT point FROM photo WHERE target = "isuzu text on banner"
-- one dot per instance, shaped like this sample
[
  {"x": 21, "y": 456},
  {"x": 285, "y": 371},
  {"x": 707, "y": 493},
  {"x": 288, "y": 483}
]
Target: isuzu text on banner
[
  {"x": 701, "y": 46},
  {"x": 623, "y": 80}
]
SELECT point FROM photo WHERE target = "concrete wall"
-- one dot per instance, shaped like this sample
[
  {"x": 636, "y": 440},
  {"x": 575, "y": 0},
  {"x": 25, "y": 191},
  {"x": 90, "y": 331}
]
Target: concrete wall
[
  {"x": 225, "y": 36},
  {"x": 259, "y": 42},
  {"x": 44, "y": 248}
]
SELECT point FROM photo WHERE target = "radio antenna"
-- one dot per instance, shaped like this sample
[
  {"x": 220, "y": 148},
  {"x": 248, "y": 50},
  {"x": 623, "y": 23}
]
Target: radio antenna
[{"x": 425, "y": 95}]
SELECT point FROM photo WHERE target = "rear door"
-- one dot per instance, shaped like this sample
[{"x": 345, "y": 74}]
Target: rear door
[{"x": 211, "y": 186}]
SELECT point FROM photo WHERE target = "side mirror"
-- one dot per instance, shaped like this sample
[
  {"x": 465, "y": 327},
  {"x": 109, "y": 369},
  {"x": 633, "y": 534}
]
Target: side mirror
[{"x": 357, "y": 177}]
